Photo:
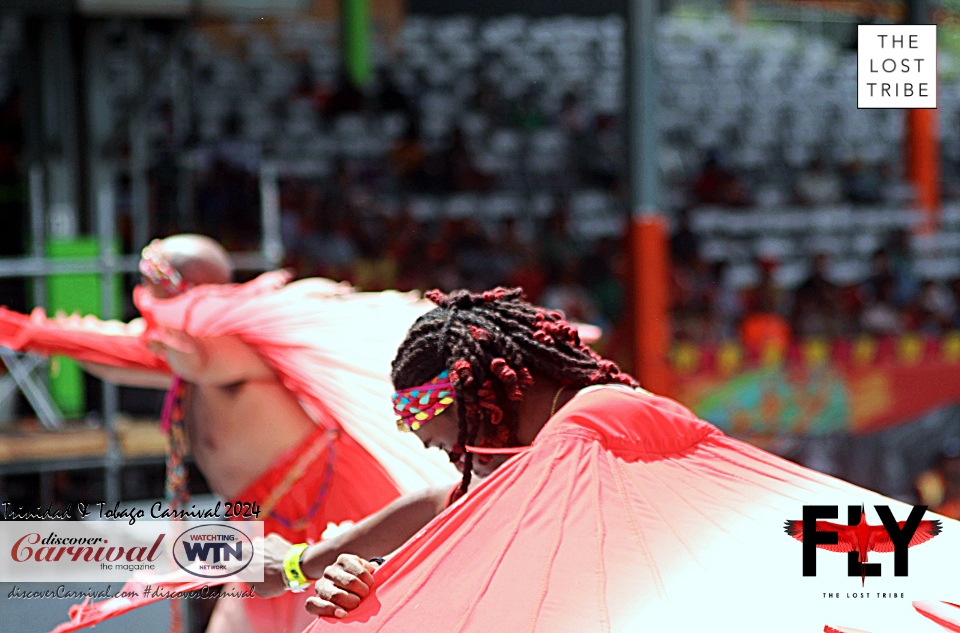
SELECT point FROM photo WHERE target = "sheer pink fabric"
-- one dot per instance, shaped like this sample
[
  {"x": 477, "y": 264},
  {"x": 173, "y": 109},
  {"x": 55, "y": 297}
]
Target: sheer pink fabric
[{"x": 630, "y": 514}]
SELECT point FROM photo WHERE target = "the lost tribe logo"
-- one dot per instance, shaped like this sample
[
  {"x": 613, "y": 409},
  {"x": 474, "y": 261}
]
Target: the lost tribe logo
[
  {"x": 213, "y": 551},
  {"x": 859, "y": 538}
]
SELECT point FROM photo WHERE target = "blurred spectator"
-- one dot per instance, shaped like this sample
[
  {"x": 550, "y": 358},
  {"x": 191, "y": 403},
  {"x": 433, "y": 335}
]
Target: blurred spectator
[
  {"x": 818, "y": 185},
  {"x": 389, "y": 96},
  {"x": 307, "y": 90},
  {"x": 764, "y": 328},
  {"x": 572, "y": 117},
  {"x": 527, "y": 114},
  {"x": 817, "y": 309},
  {"x": 376, "y": 268},
  {"x": 937, "y": 307},
  {"x": 339, "y": 250},
  {"x": 880, "y": 273},
  {"x": 488, "y": 101},
  {"x": 766, "y": 292},
  {"x": 907, "y": 284},
  {"x": 880, "y": 315},
  {"x": 507, "y": 251},
  {"x": 955, "y": 293},
  {"x": 569, "y": 296},
  {"x": 599, "y": 153},
  {"x": 472, "y": 247},
  {"x": 409, "y": 159},
  {"x": 604, "y": 273},
  {"x": 724, "y": 303},
  {"x": 690, "y": 286},
  {"x": 715, "y": 184},
  {"x": 345, "y": 98},
  {"x": 340, "y": 195},
  {"x": 227, "y": 192},
  {"x": 684, "y": 243},
  {"x": 862, "y": 184},
  {"x": 462, "y": 173},
  {"x": 529, "y": 275},
  {"x": 237, "y": 151},
  {"x": 558, "y": 244},
  {"x": 292, "y": 203}
]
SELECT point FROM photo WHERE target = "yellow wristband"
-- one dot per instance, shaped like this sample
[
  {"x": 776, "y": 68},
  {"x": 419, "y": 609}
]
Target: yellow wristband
[{"x": 296, "y": 579}]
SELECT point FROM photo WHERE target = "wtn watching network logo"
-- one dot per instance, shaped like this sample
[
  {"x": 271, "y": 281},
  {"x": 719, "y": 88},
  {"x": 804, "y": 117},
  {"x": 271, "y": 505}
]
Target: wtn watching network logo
[
  {"x": 213, "y": 551},
  {"x": 858, "y": 538}
]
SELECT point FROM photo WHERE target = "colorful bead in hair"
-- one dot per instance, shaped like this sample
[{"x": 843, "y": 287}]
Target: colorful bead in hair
[
  {"x": 155, "y": 267},
  {"x": 418, "y": 405}
]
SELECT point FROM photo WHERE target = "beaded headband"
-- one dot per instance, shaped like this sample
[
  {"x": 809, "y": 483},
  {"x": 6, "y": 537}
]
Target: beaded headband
[
  {"x": 417, "y": 405},
  {"x": 155, "y": 267}
]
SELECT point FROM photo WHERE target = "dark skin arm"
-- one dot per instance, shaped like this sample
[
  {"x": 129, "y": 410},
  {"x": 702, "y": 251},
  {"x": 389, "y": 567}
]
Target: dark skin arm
[
  {"x": 376, "y": 535},
  {"x": 379, "y": 533}
]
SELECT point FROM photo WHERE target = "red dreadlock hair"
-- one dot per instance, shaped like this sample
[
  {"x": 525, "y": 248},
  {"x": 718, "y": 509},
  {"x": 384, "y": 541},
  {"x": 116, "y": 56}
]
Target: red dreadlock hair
[{"x": 492, "y": 343}]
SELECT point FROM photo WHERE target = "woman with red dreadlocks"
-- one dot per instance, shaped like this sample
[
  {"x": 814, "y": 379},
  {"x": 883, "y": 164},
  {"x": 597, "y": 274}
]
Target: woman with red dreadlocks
[{"x": 606, "y": 508}]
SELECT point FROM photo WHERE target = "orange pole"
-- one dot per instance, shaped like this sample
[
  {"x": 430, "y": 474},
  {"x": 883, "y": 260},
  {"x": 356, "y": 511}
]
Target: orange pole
[
  {"x": 650, "y": 303},
  {"x": 923, "y": 164},
  {"x": 740, "y": 9}
]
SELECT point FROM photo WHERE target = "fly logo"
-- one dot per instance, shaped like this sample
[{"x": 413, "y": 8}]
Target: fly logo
[{"x": 858, "y": 538}]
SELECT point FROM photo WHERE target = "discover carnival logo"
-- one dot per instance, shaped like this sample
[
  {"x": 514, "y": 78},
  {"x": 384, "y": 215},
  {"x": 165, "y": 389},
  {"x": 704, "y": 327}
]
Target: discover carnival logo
[
  {"x": 53, "y": 548},
  {"x": 213, "y": 551},
  {"x": 107, "y": 551}
]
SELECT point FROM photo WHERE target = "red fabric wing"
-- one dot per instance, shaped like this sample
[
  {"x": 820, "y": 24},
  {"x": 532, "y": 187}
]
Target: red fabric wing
[
  {"x": 616, "y": 520},
  {"x": 86, "y": 339},
  {"x": 945, "y": 614}
]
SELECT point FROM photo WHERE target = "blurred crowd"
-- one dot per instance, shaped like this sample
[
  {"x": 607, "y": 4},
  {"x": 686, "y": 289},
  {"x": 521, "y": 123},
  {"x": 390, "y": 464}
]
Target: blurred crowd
[
  {"x": 326, "y": 236},
  {"x": 358, "y": 225},
  {"x": 892, "y": 299},
  {"x": 818, "y": 183},
  {"x": 340, "y": 226}
]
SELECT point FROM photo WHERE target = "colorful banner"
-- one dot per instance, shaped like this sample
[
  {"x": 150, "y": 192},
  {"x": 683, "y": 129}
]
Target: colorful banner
[{"x": 819, "y": 387}]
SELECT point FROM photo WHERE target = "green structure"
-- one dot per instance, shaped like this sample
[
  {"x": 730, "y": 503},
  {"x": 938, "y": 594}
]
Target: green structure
[
  {"x": 355, "y": 40},
  {"x": 78, "y": 293}
]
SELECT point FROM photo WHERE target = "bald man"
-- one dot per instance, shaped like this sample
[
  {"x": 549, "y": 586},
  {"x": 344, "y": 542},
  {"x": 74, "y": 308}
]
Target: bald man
[
  {"x": 280, "y": 404},
  {"x": 238, "y": 418}
]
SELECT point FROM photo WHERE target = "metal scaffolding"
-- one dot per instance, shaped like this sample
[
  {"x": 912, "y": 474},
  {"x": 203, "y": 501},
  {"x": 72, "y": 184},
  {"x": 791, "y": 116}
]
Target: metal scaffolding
[{"x": 54, "y": 199}]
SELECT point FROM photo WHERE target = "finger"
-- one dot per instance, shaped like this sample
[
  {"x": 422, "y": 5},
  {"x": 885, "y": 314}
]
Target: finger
[
  {"x": 339, "y": 597},
  {"x": 356, "y": 566},
  {"x": 324, "y": 609},
  {"x": 342, "y": 576},
  {"x": 348, "y": 582},
  {"x": 371, "y": 565}
]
